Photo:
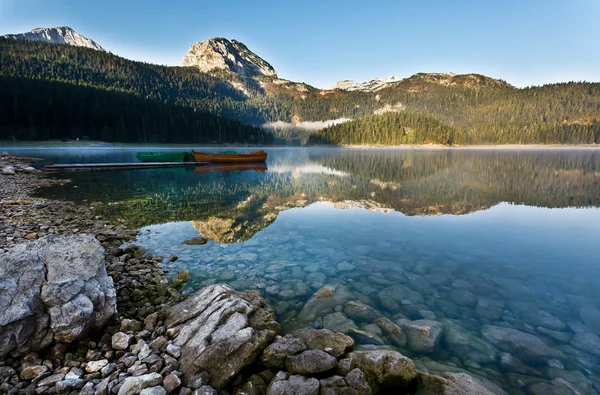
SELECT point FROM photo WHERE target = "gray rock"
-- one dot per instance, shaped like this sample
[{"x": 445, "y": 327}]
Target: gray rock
[
  {"x": 51, "y": 380},
  {"x": 174, "y": 351},
  {"x": 94, "y": 366},
  {"x": 466, "y": 346},
  {"x": 275, "y": 354},
  {"x": 359, "y": 311},
  {"x": 171, "y": 382},
  {"x": 55, "y": 289},
  {"x": 310, "y": 362},
  {"x": 205, "y": 390},
  {"x": 327, "y": 297},
  {"x": 392, "y": 331},
  {"x": 122, "y": 341},
  {"x": 158, "y": 390},
  {"x": 336, "y": 344},
  {"x": 423, "y": 335},
  {"x": 8, "y": 170},
  {"x": 365, "y": 337},
  {"x": 462, "y": 297},
  {"x": 526, "y": 347},
  {"x": 67, "y": 385},
  {"x": 135, "y": 385},
  {"x": 338, "y": 322},
  {"x": 295, "y": 385},
  {"x": 219, "y": 324},
  {"x": 356, "y": 379},
  {"x": 587, "y": 342},
  {"x": 385, "y": 369},
  {"x": 561, "y": 337},
  {"x": 6, "y": 372},
  {"x": 34, "y": 371},
  {"x": 129, "y": 325}
]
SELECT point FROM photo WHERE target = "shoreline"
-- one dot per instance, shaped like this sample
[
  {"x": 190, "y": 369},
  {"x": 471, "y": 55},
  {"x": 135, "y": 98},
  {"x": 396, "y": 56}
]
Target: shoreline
[{"x": 100, "y": 145}]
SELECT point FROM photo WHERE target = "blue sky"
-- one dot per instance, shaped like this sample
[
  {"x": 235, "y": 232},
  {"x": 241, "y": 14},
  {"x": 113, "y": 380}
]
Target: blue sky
[{"x": 526, "y": 42}]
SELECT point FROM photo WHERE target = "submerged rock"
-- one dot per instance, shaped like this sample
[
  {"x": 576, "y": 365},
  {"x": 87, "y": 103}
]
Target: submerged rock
[
  {"x": 456, "y": 384},
  {"x": 392, "y": 331},
  {"x": 385, "y": 369},
  {"x": 527, "y": 347},
  {"x": 423, "y": 335},
  {"x": 336, "y": 344},
  {"x": 587, "y": 342},
  {"x": 55, "y": 290},
  {"x": 219, "y": 324},
  {"x": 325, "y": 298},
  {"x": 467, "y": 346}
]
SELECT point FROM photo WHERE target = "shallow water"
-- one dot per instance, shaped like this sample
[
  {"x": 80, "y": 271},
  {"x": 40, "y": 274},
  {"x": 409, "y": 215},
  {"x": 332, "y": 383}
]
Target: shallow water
[{"x": 475, "y": 240}]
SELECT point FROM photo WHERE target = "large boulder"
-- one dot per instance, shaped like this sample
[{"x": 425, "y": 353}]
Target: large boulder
[
  {"x": 386, "y": 369},
  {"x": 334, "y": 343},
  {"x": 53, "y": 289},
  {"x": 219, "y": 324},
  {"x": 526, "y": 347}
]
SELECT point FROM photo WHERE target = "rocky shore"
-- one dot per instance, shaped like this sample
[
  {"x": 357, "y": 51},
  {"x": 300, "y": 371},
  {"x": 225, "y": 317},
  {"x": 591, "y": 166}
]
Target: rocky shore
[{"x": 83, "y": 312}]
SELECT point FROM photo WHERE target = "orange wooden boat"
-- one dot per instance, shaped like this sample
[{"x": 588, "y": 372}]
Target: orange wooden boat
[
  {"x": 259, "y": 167},
  {"x": 228, "y": 157}
]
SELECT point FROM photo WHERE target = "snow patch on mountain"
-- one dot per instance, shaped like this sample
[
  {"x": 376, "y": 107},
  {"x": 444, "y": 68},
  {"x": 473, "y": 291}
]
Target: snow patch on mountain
[
  {"x": 221, "y": 54},
  {"x": 368, "y": 86},
  {"x": 57, "y": 35},
  {"x": 305, "y": 125}
]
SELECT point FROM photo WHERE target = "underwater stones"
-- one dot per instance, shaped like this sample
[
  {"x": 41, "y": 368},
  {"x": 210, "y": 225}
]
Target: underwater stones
[
  {"x": 462, "y": 297},
  {"x": 527, "y": 347},
  {"x": 219, "y": 324},
  {"x": 561, "y": 337},
  {"x": 360, "y": 312},
  {"x": 587, "y": 342},
  {"x": 275, "y": 354},
  {"x": 362, "y": 336},
  {"x": 423, "y": 335},
  {"x": 467, "y": 346},
  {"x": 345, "y": 267},
  {"x": 310, "y": 362},
  {"x": 513, "y": 364},
  {"x": 591, "y": 317},
  {"x": 385, "y": 368},
  {"x": 456, "y": 383},
  {"x": 536, "y": 317},
  {"x": 392, "y": 331},
  {"x": 511, "y": 288},
  {"x": 336, "y": 344},
  {"x": 338, "y": 322},
  {"x": 325, "y": 298}
]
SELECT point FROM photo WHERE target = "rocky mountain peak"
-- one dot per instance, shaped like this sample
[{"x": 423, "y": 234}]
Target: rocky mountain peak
[
  {"x": 220, "y": 53},
  {"x": 368, "y": 86},
  {"x": 57, "y": 35}
]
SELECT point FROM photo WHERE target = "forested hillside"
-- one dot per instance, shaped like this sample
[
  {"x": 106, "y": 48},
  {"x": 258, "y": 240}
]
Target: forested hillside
[
  {"x": 38, "y": 110},
  {"x": 438, "y": 108}
]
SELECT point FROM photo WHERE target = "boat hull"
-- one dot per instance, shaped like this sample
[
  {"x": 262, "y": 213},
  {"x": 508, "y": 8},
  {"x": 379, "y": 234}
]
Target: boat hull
[{"x": 256, "y": 156}]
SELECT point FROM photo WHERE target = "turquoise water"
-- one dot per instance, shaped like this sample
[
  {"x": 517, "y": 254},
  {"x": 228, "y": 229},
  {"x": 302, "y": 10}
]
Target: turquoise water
[{"x": 477, "y": 242}]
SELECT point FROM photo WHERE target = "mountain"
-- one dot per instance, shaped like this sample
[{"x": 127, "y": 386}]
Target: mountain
[
  {"x": 369, "y": 86},
  {"x": 57, "y": 35},
  {"x": 420, "y": 81},
  {"x": 221, "y": 54},
  {"x": 443, "y": 108}
]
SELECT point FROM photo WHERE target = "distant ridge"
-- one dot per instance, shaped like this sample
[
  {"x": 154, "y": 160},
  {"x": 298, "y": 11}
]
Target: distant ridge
[{"x": 57, "y": 35}]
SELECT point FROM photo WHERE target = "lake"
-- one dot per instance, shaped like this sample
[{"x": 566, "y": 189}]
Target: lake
[{"x": 489, "y": 260}]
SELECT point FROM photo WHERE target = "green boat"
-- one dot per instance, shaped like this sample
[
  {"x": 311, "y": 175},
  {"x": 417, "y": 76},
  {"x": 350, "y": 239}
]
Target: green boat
[{"x": 164, "y": 156}]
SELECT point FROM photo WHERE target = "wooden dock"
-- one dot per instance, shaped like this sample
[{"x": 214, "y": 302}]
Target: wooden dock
[{"x": 72, "y": 167}]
